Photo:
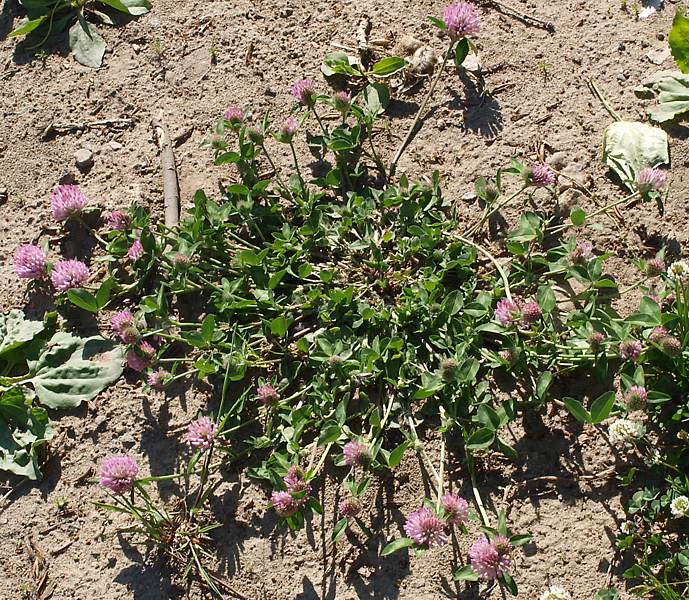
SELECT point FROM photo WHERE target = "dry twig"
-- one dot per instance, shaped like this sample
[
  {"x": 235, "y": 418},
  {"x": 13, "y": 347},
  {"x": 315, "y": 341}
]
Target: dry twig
[
  {"x": 169, "y": 169},
  {"x": 64, "y": 128}
]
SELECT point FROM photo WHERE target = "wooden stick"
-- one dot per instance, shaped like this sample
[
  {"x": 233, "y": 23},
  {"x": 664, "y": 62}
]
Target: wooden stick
[
  {"x": 64, "y": 128},
  {"x": 169, "y": 169}
]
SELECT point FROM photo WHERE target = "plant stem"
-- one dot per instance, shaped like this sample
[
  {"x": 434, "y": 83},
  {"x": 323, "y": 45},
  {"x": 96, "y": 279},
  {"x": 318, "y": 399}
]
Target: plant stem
[
  {"x": 477, "y": 495},
  {"x": 422, "y": 109},
  {"x": 489, "y": 213},
  {"x": 492, "y": 259}
]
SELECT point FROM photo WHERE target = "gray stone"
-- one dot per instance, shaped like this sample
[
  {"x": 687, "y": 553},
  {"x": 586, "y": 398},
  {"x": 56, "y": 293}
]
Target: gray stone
[{"x": 84, "y": 159}]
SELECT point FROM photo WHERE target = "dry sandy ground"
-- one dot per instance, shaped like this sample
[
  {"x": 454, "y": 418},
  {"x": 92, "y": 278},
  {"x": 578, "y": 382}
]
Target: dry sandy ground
[{"x": 539, "y": 97}]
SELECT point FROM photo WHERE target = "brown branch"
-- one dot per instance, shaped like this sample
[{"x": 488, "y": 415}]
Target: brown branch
[{"x": 169, "y": 169}]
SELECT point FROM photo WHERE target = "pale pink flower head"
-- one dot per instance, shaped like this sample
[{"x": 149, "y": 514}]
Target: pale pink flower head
[
  {"x": 158, "y": 380},
  {"x": 455, "y": 509},
  {"x": 425, "y": 528},
  {"x": 507, "y": 312},
  {"x": 651, "y": 180},
  {"x": 288, "y": 129},
  {"x": 636, "y": 397},
  {"x": 124, "y": 325},
  {"x": 68, "y": 274},
  {"x": 350, "y": 507},
  {"x": 118, "y": 220},
  {"x": 284, "y": 504},
  {"x": 462, "y": 20},
  {"x": 540, "y": 175},
  {"x": 342, "y": 101},
  {"x": 235, "y": 116},
  {"x": 66, "y": 201},
  {"x": 118, "y": 473},
  {"x": 582, "y": 254},
  {"x": 201, "y": 433},
  {"x": 180, "y": 260},
  {"x": 631, "y": 349},
  {"x": 356, "y": 454},
  {"x": 267, "y": 394},
  {"x": 29, "y": 262},
  {"x": 136, "y": 362},
  {"x": 491, "y": 558},
  {"x": 136, "y": 251},
  {"x": 304, "y": 91}
]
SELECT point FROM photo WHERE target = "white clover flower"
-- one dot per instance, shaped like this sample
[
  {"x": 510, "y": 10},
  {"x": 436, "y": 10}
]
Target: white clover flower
[
  {"x": 624, "y": 432},
  {"x": 627, "y": 527},
  {"x": 678, "y": 271},
  {"x": 555, "y": 592},
  {"x": 679, "y": 507},
  {"x": 683, "y": 435}
]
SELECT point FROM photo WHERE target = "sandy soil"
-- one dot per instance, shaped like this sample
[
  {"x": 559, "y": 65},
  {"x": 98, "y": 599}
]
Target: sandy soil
[{"x": 162, "y": 62}]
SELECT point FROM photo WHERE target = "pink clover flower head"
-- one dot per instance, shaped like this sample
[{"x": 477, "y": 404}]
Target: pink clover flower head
[
  {"x": 582, "y": 254},
  {"x": 66, "y": 201},
  {"x": 540, "y": 175},
  {"x": 491, "y": 558},
  {"x": 118, "y": 220},
  {"x": 136, "y": 251},
  {"x": 531, "y": 313},
  {"x": 455, "y": 509},
  {"x": 507, "y": 312},
  {"x": 655, "y": 267},
  {"x": 30, "y": 262},
  {"x": 284, "y": 504},
  {"x": 462, "y": 20},
  {"x": 235, "y": 116},
  {"x": 304, "y": 91},
  {"x": 124, "y": 325},
  {"x": 425, "y": 528},
  {"x": 596, "y": 340},
  {"x": 267, "y": 394},
  {"x": 158, "y": 380},
  {"x": 295, "y": 481},
  {"x": 68, "y": 274},
  {"x": 636, "y": 397},
  {"x": 356, "y": 454},
  {"x": 287, "y": 130},
  {"x": 118, "y": 473},
  {"x": 147, "y": 350},
  {"x": 631, "y": 350},
  {"x": 350, "y": 507},
  {"x": 201, "y": 433},
  {"x": 342, "y": 101},
  {"x": 651, "y": 180},
  {"x": 136, "y": 362}
]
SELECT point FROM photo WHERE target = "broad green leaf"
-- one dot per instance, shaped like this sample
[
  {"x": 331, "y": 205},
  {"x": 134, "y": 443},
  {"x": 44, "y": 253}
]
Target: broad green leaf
[
  {"x": 578, "y": 217},
  {"x": 83, "y": 299},
  {"x": 16, "y": 330},
  {"x": 543, "y": 384},
  {"x": 388, "y": 66},
  {"x": 71, "y": 370},
  {"x": 86, "y": 44},
  {"x": 461, "y": 51},
  {"x": 397, "y": 545},
  {"x": 439, "y": 23},
  {"x": 577, "y": 409},
  {"x": 672, "y": 94},
  {"x": 24, "y": 430},
  {"x": 465, "y": 573},
  {"x": 481, "y": 439},
  {"x": 131, "y": 7},
  {"x": 601, "y": 407},
  {"x": 488, "y": 417},
  {"x": 510, "y": 584},
  {"x": 339, "y": 528},
  {"x": 395, "y": 457},
  {"x": 376, "y": 98},
  {"x": 679, "y": 39},
  {"x": 104, "y": 291},
  {"x": 629, "y": 147},
  {"x": 26, "y": 26},
  {"x": 279, "y": 326}
]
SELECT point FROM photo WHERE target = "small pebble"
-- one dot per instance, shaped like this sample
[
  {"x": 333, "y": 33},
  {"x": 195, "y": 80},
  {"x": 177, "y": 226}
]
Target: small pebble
[{"x": 84, "y": 159}]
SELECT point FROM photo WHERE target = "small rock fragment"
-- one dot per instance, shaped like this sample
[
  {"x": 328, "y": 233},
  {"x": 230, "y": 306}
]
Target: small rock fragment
[
  {"x": 659, "y": 55},
  {"x": 3, "y": 194},
  {"x": 84, "y": 159}
]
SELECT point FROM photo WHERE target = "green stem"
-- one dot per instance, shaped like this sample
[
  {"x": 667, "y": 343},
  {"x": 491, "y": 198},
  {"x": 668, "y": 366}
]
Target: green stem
[
  {"x": 492, "y": 259},
  {"x": 420, "y": 112},
  {"x": 489, "y": 213},
  {"x": 477, "y": 494}
]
